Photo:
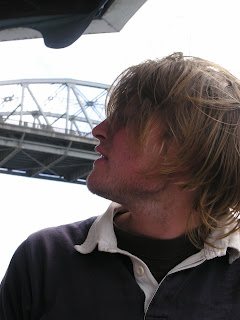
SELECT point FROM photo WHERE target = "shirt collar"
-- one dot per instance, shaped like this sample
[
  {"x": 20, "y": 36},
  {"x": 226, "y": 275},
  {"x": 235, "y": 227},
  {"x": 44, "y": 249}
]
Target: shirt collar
[
  {"x": 101, "y": 233},
  {"x": 229, "y": 244}
]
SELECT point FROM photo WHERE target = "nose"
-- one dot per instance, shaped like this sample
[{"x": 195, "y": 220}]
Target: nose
[{"x": 100, "y": 131}]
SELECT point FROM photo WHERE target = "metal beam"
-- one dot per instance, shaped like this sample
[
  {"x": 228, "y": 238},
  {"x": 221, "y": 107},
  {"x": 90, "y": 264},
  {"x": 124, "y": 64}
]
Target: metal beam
[
  {"x": 38, "y": 105},
  {"x": 37, "y": 161},
  {"x": 46, "y": 148},
  {"x": 9, "y": 156},
  {"x": 79, "y": 173},
  {"x": 57, "y": 81},
  {"x": 62, "y": 147},
  {"x": 14, "y": 152},
  {"x": 50, "y": 162},
  {"x": 49, "y": 114},
  {"x": 83, "y": 108}
]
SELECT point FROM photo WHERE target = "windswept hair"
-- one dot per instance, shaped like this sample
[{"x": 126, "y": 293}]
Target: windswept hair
[{"x": 197, "y": 104}]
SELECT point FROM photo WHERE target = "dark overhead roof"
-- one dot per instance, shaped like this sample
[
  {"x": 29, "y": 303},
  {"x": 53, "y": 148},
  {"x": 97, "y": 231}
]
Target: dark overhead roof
[{"x": 60, "y": 22}]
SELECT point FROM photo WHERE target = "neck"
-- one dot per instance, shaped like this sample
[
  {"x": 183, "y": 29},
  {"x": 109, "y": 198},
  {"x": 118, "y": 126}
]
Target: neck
[{"x": 166, "y": 218}]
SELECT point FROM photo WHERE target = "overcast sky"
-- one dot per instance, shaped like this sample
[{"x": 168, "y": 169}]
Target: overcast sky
[{"x": 209, "y": 29}]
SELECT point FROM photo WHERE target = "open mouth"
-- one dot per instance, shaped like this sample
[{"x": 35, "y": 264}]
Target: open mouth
[{"x": 101, "y": 154}]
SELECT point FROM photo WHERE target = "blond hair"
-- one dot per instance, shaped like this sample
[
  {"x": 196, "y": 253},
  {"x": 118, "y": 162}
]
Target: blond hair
[{"x": 198, "y": 104}]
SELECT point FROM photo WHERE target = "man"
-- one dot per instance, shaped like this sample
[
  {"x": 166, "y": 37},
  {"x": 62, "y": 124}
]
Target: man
[{"x": 170, "y": 156}]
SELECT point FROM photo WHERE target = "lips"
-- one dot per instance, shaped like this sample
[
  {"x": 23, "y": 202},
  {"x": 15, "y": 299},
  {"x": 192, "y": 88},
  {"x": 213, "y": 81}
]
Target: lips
[{"x": 101, "y": 152}]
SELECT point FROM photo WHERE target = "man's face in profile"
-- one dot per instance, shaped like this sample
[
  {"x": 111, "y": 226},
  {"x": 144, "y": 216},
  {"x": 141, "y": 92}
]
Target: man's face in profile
[{"x": 118, "y": 175}]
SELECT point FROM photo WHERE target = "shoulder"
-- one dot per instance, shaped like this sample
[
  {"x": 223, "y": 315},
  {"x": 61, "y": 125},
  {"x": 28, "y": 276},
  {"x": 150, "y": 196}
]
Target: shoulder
[
  {"x": 63, "y": 236},
  {"x": 39, "y": 265},
  {"x": 48, "y": 247}
]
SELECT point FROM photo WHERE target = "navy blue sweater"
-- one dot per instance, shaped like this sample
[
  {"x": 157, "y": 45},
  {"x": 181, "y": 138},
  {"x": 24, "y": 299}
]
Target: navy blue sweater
[{"x": 48, "y": 279}]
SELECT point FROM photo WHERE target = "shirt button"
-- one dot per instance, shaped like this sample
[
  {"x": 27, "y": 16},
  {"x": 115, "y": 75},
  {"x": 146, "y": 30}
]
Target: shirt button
[{"x": 139, "y": 271}]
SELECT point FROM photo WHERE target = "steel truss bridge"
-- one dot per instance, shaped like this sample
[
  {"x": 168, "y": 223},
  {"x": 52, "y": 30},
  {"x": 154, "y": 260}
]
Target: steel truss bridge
[{"x": 45, "y": 127}]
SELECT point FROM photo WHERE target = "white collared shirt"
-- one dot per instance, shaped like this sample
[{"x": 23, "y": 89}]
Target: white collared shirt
[{"x": 102, "y": 234}]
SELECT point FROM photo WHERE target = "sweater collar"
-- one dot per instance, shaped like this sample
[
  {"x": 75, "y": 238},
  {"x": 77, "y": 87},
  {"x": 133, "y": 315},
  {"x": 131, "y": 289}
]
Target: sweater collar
[{"x": 102, "y": 234}]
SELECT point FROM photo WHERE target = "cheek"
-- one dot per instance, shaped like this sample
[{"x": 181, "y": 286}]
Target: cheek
[
  {"x": 123, "y": 154},
  {"x": 124, "y": 163}
]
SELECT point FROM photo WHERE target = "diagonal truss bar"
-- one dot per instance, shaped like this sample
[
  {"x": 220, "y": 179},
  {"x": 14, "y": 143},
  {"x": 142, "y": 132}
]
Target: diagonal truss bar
[
  {"x": 9, "y": 156},
  {"x": 53, "y": 163},
  {"x": 14, "y": 152},
  {"x": 83, "y": 108},
  {"x": 38, "y": 105},
  {"x": 11, "y": 113},
  {"x": 81, "y": 175},
  {"x": 38, "y": 162}
]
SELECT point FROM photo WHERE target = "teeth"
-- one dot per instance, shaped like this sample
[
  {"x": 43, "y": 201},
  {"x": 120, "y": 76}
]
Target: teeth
[{"x": 101, "y": 156}]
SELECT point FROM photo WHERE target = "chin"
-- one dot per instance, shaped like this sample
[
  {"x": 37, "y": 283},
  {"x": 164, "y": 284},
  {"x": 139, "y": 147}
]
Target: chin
[
  {"x": 98, "y": 187},
  {"x": 90, "y": 182},
  {"x": 94, "y": 183}
]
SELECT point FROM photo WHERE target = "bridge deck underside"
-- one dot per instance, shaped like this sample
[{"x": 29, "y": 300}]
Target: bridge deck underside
[{"x": 60, "y": 157}]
